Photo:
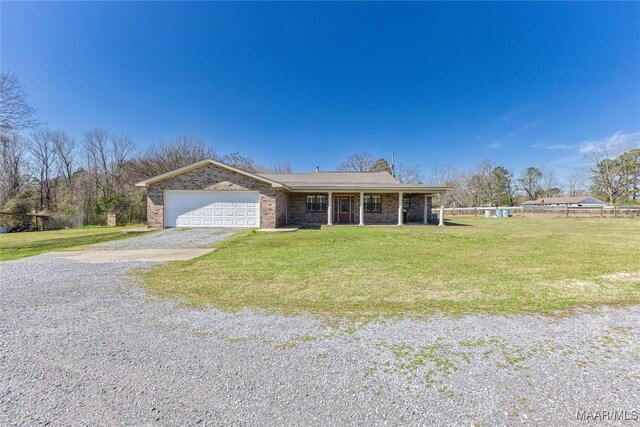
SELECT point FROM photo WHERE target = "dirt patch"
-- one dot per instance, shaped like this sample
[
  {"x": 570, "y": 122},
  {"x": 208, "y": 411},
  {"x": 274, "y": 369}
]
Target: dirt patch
[{"x": 623, "y": 277}]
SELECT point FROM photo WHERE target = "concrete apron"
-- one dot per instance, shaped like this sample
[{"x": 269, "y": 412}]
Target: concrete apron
[{"x": 134, "y": 255}]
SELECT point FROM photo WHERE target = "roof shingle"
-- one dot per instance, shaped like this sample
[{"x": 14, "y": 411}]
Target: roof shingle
[{"x": 324, "y": 178}]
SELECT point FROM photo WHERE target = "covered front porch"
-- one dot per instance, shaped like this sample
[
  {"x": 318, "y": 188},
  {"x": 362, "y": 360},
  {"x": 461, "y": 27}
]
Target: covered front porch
[{"x": 363, "y": 208}]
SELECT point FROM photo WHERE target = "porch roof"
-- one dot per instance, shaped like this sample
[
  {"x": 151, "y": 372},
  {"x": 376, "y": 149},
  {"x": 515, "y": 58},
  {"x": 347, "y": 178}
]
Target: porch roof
[
  {"x": 348, "y": 181},
  {"x": 406, "y": 188},
  {"x": 324, "y": 178}
]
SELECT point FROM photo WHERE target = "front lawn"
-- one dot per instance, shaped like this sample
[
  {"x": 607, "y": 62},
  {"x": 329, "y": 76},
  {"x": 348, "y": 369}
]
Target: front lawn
[
  {"x": 481, "y": 265},
  {"x": 20, "y": 245}
]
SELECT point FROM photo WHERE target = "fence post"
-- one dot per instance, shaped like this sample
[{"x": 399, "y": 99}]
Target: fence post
[
  {"x": 567, "y": 212},
  {"x": 601, "y": 211},
  {"x": 111, "y": 219}
]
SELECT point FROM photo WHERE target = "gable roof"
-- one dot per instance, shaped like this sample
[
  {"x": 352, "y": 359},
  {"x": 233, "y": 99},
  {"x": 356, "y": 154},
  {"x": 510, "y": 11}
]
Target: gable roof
[
  {"x": 565, "y": 200},
  {"x": 312, "y": 181},
  {"x": 200, "y": 164}
]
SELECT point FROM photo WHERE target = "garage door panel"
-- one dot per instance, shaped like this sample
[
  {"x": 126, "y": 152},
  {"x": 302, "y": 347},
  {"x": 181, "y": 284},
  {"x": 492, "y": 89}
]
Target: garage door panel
[{"x": 212, "y": 208}]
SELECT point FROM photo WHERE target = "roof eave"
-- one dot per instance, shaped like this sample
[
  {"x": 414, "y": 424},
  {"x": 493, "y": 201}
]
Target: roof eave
[{"x": 202, "y": 163}]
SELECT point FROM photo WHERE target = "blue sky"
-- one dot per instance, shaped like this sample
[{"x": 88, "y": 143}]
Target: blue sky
[{"x": 437, "y": 83}]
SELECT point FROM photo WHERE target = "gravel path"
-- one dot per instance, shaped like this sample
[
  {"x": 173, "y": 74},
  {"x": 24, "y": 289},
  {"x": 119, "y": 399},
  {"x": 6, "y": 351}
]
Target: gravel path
[
  {"x": 173, "y": 238},
  {"x": 82, "y": 344}
]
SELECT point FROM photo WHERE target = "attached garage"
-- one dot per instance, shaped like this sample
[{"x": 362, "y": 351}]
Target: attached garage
[
  {"x": 192, "y": 208},
  {"x": 213, "y": 194}
]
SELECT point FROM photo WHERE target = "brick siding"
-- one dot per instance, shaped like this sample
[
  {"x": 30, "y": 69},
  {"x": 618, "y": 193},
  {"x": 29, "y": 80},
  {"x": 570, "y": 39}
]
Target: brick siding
[
  {"x": 388, "y": 210},
  {"x": 298, "y": 211},
  {"x": 211, "y": 177}
]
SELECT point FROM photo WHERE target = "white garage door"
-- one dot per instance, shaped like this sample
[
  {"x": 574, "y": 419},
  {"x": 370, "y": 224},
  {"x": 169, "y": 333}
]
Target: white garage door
[{"x": 212, "y": 209}]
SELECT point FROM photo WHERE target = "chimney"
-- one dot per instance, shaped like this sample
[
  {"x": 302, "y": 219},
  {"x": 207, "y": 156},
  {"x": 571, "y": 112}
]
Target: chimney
[{"x": 317, "y": 168}]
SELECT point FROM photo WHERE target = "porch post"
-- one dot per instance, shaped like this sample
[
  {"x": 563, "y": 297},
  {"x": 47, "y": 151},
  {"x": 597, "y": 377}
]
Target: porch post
[
  {"x": 330, "y": 209},
  {"x": 425, "y": 218},
  {"x": 441, "y": 222},
  {"x": 362, "y": 208},
  {"x": 400, "y": 208}
]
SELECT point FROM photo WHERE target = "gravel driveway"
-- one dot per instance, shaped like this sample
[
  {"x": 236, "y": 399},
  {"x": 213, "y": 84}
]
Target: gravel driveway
[{"x": 82, "y": 344}]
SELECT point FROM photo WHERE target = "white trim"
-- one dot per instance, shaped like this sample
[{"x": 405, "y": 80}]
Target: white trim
[
  {"x": 425, "y": 218},
  {"x": 361, "y": 213},
  {"x": 286, "y": 208},
  {"x": 203, "y": 163}
]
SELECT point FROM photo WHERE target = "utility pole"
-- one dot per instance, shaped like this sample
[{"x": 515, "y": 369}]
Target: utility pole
[{"x": 393, "y": 164}]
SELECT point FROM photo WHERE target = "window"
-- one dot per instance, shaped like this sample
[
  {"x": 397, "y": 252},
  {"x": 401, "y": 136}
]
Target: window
[
  {"x": 316, "y": 203},
  {"x": 372, "y": 203},
  {"x": 406, "y": 202}
]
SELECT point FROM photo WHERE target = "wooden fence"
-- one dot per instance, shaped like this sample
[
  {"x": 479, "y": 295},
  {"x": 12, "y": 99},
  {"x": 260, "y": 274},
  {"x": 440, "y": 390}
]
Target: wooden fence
[{"x": 550, "y": 211}]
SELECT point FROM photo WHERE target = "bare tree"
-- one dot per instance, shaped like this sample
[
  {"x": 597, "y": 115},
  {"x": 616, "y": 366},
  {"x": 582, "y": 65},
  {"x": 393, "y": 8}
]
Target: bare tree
[
  {"x": 549, "y": 183},
  {"x": 242, "y": 162},
  {"x": 173, "y": 154},
  {"x": 65, "y": 148},
  {"x": 463, "y": 193},
  {"x": 488, "y": 187},
  {"x": 440, "y": 175},
  {"x": 16, "y": 114},
  {"x": 607, "y": 170},
  {"x": 13, "y": 164},
  {"x": 358, "y": 162},
  {"x": 283, "y": 167},
  {"x": 123, "y": 150},
  {"x": 97, "y": 160},
  {"x": 576, "y": 184},
  {"x": 108, "y": 177},
  {"x": 408, "y": 174},
  {"x": 106, "y": 158},
  {"x": 43, "y": 151}
]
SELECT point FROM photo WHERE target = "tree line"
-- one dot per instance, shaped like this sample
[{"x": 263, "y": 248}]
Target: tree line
[
  {"x": 610, "y": 172},
  {"x": 46, "y": 170}
]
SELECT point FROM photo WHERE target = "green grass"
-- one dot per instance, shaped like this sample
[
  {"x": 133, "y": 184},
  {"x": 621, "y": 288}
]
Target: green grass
[
  {"x": 20, "y": 245},
  {"x": 483, "y": 265}
]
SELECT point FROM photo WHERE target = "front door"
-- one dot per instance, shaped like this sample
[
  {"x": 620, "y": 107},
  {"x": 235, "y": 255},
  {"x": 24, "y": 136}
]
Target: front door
[{"x": 344, "y": 209}]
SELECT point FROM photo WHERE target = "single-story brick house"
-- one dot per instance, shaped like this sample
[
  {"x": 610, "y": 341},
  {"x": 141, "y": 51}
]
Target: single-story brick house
[{"x": 210, "y": 193}]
